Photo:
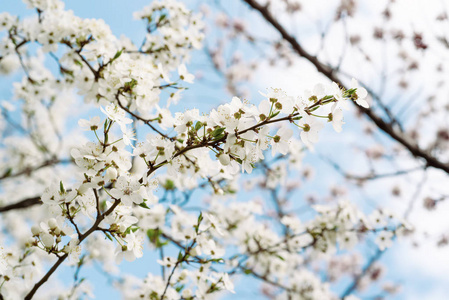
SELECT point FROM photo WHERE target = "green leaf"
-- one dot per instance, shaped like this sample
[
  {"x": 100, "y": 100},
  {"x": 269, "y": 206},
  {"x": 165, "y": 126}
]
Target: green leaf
[
  {"x": 179, "y": 288},
  {"x": 143, "y": 204},
  {"x": 217, "y": 131},
  {"x": 153, "y": 234},
  {"x": 219, "y": 136},
  {"x": 107, "y": 235},
  {"x": 117, "y": 55},
  {"x": 180, "y": 256},
  {"x": 105, "y": 126},
  {"x": 327, "y": 97},
  {"x": 131, "y": 228},
  {"x": 7, "y": 173},
  {"x": 200, "y": 218},
  {"x": 169, "y": 185},
  {"x": 351, "y": 91},
  {"x": 275, "y": 114},
  {"x": 198, "y": 125},
  {"x": 280, "y": 257},
  {"x": 162, "y": 18},
  {"x": 61, "y": 188}
]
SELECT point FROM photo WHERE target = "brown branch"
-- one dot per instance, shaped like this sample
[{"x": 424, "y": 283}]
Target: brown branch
[
  {"x": 147, "y": 122},
  {"x": 21, "y": 204},
  {"x": 371, "y": 175},
  {"x": 29, "y": 170}
]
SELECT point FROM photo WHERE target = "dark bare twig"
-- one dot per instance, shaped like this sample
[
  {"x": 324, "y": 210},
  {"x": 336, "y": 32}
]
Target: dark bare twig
[
  {"x": 22, "y": 204},
  {"x": 29, "y": 170}
]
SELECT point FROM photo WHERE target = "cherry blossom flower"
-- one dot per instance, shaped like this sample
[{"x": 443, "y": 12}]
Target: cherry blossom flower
[
  {"x": 92, "y": 124},
  {"x": 184, "y": 74},
  {"x": 311, "y": 127},
  {"x": 133, "y": 248},
  {"x": 127, "y": 190},
  {"x": 360, "y": 94},
  {"x": 280, "y": 142},
  {"x": 384, "y": 240}
]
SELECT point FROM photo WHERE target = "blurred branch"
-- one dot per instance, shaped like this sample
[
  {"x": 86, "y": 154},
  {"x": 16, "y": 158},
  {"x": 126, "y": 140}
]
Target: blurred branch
[
  {"x": 29, "y": 170},
  {"x": 365, "y": 270},
  {"x": 371, "y": 175},
  {"x": 22, "y": 204}
]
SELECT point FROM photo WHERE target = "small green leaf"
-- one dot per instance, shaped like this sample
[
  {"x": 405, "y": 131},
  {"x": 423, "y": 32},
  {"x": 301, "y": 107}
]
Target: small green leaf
[
  {"x": 117, "y": 55},
  {"x": 108, "y": 236},
  {"x": 179, "y": 288},
  {"x": 275, "y": 114},
  {"x": 162, "y": 18},
  {"x": 280, "y": 257},
  {"x": 8, "y": 172},
  {"x": 169, "y": 185},
  {"x": 200, "y": 218},
  {"x": 327, "y": 97},
  {"x": 143, "y": 204},
  {"x": 217, "y": 131},
  {"x": 198, "y": 125}
]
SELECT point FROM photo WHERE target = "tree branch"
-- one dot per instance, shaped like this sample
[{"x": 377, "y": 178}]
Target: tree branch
[{"x": 22, "y": 204}]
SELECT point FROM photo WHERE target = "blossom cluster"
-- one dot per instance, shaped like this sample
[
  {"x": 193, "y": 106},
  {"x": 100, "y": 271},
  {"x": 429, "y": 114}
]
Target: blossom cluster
[{"x": 116, "y": 196}]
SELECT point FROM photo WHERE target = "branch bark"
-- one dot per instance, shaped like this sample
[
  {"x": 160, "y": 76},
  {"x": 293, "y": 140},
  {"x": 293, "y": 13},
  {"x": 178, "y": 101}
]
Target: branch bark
[{"x": 21, "y": 204}]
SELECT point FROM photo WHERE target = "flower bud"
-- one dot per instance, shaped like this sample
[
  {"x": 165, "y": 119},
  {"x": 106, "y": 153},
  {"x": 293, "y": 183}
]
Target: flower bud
[
  {"x": 29, "y": 242},
  {"x": 48, "y": 240},
  {"x": 224, "y": 159},
  {"x": 187, "y": 293},
  {"x": 35, "y": 230},
  {"x": 183, "y": 275},
  {"x": 52, "y": 223},
  {"x": 111, "y": 174},
  {"x": 83, "y": 189},
  {"x": 57, "y": 231}
]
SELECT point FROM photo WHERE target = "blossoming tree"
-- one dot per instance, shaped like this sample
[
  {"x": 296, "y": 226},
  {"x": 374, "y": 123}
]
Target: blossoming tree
[{"x": 127, "y": 184}]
